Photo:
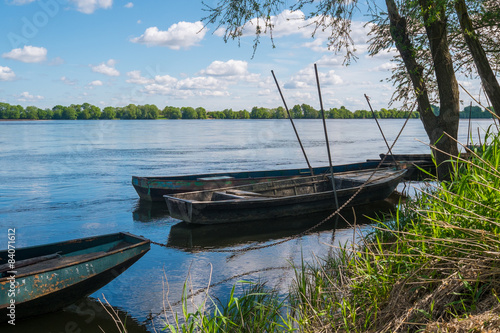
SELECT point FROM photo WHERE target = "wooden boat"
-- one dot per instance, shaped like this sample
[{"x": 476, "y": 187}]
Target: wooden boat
[
  {"x": 50, "y": 277},
  {"x": 289, "y": 197},
  {"x": 154, "y": 188}
]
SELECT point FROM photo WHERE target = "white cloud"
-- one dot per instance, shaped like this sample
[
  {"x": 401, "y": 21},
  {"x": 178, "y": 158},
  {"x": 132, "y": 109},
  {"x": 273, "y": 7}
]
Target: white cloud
[
  {"x": 385, "y": 67},
  {"x": 29, "y": 54},
  {"x": 137, "y": 78},
  {"x": 330, "y": 60},
  {"x": 385, "y": 54},
  {"x": 6, "y": 74},
  {"x": 211, "y": 81},
  {"x": 67, "y": 81},
  {"x": 107, "y": 68},
  {"x": 129, "y": 5},
  {"x": 285, "y": 24},
  {"x": 228, "y": 68},
  {"x": 27, "y": 97},
  {"x": 181, "y": 35},
  {"x": 165, "y": 79},
  {"x": 96, "y": 83},
  {"x": 317, "y": 45},
  {"x": 90, "y": 6},
  {"x": 199, "y": 82},
  {"x": 306, "y": 78}
]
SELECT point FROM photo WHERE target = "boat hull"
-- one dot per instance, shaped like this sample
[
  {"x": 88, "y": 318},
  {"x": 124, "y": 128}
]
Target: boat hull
[
  {"x": 252, "y": 209},
  {"x": 154, "y": 188},
  {"x": 86, "y": 266}
]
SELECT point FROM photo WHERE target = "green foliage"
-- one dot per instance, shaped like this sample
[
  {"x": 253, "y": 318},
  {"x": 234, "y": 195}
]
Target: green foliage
[
  {"x": 87, "y": 111},
  {"x": 189, "y": 113},
  {"x": 108, "y": 112},
  {"x": 171, "y": 112},
  {"x": 258, "y": 309},
  {"x": 202, "y": 113},
  {"x": 260, "y": 113}
]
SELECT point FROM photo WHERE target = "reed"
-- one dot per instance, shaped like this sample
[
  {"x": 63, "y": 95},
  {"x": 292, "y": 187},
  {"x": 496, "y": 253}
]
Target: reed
[
  {"x": 434, "y": 267},
  {"x": 438, "y": 261},
  {"x": 258, "y": 309}
]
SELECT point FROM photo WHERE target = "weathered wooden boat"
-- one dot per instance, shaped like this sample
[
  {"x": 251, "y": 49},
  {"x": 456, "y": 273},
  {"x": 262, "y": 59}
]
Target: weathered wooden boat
[
  {"x": 49, "y": 277},
  {"x": 154, "y": 188},
  {"x": 289, "y": 197}
]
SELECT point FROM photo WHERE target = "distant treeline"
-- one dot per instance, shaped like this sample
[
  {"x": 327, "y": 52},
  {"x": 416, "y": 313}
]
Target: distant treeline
[{"x": 149, "y": 111}]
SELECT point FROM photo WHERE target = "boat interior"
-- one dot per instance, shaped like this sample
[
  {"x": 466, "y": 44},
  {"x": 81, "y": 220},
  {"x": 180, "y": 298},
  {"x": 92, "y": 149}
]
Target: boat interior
[
  {"x": 60, "y": 258},
  {"x": 286, "y": 188}
]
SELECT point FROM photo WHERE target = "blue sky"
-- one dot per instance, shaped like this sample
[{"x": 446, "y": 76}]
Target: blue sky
[{"x": 116, "y": 52}]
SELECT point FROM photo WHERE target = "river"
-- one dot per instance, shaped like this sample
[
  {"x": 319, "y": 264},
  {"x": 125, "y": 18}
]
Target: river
[{"x": 62, "y": 180}]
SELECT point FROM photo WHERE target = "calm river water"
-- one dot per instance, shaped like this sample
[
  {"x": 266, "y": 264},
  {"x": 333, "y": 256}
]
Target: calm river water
[{"x": 61, "y": 180}]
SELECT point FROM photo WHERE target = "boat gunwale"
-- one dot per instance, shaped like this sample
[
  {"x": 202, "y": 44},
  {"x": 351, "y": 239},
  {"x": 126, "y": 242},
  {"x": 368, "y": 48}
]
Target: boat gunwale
[
  {"x": 277, "y": 199},
  {"x": 143, "y": 241},
  {"x": 305, "y": 172}
]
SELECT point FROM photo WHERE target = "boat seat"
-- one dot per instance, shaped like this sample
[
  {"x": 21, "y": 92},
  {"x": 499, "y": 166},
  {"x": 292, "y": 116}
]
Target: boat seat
[
  {"x": 218, "y": 196},
  {"x": 245, "y": 193},
  {"x": 57, "y": 262}
]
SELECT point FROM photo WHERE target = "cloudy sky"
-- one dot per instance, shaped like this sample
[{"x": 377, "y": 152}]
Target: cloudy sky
[{"x": 116, "y": 52}]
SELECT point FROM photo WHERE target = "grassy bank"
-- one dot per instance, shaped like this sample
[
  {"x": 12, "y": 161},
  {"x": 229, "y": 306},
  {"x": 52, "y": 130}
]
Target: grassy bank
[{"x": 435, "y": 267}]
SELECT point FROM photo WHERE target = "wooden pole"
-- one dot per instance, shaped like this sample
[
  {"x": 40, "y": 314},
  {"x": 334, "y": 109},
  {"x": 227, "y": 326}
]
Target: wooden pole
[
  {"x": 469, "y": 133},
  {"x": 380, "y": 128},
  {"x": 326, "y": 138},
  {"x": 293, "y": 125}
]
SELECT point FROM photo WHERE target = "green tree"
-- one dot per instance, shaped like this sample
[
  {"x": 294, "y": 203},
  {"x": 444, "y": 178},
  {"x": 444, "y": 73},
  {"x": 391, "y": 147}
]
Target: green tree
[
  {"x": 202, "y": 113},
  {"x": 243, "y": 114},
  {"x": 44, "y": 114},
  {"x": 260, "y": 113},
  {"x": 189, "y": 113},
  {"x": 296, "y": 112},
  {"x": 68, "y": 113},
  {"x": 148, "y": 111},
  {"x": 171, "y": 112},
  {"x": 108, "y": 112},
  {"x": 309, "y": 112},
  {"x": 129, "y": 112},
  {"x": 362, "y": 114},
  {"x": 279, "y": 113}
]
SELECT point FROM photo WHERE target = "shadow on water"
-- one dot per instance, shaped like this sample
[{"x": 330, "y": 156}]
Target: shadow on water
[
  {"x": 87, "y": 315},
  {"x": 193, "y": 238},
  {"x": 149, "y": 211}
]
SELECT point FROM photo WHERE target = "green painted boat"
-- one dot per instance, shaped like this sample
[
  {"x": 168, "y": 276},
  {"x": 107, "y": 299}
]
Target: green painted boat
[
  {"x": 47, "y": 278},
  {"x": 154, "y": 188}
]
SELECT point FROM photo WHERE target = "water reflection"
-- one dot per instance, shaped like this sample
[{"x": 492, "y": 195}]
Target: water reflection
[
  {"x": 87, "y": 315},
  {"x": 149, "y": 211},
  {"x": 193, "y": 238}
]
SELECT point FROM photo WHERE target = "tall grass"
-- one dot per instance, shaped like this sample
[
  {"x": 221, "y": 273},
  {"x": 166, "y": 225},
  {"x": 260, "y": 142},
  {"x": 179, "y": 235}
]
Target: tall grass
[
  {"x": 258, "y": 309},
  {"x": 435, "y": 264}
]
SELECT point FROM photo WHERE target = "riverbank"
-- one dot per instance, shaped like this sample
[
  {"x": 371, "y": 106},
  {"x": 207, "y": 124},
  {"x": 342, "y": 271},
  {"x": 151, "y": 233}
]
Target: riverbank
[{"x": 434, "y": 268}]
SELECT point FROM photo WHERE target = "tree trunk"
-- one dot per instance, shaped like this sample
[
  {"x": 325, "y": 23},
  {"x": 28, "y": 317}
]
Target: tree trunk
[
  {"x": 447, "y": 121},
  {"x": 449, "y": 98},
  {"x": 488, "y": 78}
]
